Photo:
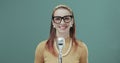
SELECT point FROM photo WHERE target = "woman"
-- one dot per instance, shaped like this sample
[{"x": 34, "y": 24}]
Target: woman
[{"x": 62, "y": 25}]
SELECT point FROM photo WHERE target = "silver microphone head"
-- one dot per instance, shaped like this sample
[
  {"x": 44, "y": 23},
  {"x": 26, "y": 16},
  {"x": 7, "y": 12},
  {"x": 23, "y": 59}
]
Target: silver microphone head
[{"x": 60, "y": 43}]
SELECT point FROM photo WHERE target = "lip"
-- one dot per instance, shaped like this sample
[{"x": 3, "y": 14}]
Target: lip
[{"x": 62, "y": 27}]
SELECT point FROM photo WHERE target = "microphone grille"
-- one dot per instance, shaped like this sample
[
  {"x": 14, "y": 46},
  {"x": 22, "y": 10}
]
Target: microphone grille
[{"x": 60, "y": 42}]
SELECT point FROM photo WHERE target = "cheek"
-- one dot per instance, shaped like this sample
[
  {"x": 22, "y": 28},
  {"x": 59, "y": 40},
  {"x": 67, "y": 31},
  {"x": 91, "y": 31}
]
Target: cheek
[
  {"x": 55, "y": 25},
  {"x": 70, "y": 24}
]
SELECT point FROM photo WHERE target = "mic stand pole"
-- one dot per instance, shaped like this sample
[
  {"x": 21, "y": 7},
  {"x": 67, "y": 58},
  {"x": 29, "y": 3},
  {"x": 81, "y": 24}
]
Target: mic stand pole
[{"x": 60, "y": 56}]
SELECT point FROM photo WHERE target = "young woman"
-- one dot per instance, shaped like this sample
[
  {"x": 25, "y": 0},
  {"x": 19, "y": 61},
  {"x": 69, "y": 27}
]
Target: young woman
[{"x": 62, "y": 25}]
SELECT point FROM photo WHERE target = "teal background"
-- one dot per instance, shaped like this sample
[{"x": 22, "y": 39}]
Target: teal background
[{"x": 24, "y": 23}]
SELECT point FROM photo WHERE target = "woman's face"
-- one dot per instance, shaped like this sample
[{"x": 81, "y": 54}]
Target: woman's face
[{"x": 62, "y": 20}]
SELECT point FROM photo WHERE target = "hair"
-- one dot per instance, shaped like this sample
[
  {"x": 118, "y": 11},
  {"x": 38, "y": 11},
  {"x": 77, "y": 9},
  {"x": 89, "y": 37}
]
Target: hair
[{"x": 52, "y": 36}]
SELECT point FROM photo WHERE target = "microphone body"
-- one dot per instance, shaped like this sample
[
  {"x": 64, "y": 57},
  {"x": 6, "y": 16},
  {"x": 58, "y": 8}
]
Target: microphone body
[{"x": 60, "y": 45}]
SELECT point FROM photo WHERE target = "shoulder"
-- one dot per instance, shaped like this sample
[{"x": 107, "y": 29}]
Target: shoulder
[
  {"x": 39, "y": 52},
  {"x": 41, "y": 45},
  {"x": 82, "y": 45}
]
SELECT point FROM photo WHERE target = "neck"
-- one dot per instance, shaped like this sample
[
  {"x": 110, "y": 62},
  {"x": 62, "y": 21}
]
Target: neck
[
  {"x": 63, "y": 34},
  {"x": 66, "y": 36}
]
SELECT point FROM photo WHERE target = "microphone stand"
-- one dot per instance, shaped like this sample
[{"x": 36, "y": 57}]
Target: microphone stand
[{"x": 60, "y": 56}]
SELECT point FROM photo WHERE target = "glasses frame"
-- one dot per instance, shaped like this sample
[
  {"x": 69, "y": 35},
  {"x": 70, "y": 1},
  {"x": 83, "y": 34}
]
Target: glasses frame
[{"x": 62, "y": 18}]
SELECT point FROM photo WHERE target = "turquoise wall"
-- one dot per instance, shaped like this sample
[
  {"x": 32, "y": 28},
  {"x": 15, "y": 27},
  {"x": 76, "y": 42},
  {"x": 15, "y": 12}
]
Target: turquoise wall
[{"x": 24, "y": 23}]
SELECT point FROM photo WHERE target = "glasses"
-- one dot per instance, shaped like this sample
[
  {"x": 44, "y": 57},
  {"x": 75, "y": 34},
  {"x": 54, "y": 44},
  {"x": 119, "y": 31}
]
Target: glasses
[{"x": 58, "y": 19}]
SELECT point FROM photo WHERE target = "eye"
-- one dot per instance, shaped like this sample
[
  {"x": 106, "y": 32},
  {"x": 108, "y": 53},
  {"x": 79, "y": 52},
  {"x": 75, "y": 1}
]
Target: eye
[
  {"x": 57, "y": 18},
  {"x": 67, "y": 18}
]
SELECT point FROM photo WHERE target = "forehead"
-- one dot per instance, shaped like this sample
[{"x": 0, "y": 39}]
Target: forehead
[{"x": 61, "y": 12}]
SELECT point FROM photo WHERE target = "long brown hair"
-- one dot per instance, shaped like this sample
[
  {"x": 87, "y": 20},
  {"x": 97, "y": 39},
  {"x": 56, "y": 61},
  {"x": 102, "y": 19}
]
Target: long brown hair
[{"x": 50, "y": 42}]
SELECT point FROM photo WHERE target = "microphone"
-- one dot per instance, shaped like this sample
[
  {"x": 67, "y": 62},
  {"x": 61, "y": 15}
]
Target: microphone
[{"x": 60, "y": 43}]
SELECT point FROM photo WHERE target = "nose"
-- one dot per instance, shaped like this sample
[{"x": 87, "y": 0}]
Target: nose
[{"x": 62, "y": 22}]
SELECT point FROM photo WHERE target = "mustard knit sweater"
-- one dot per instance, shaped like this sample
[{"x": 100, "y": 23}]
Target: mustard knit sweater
[{"x": 79, "y": 56}]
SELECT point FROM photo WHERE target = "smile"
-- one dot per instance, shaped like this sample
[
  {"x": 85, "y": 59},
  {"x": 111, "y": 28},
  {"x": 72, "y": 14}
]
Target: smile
[{"x": 63, "y": 27}]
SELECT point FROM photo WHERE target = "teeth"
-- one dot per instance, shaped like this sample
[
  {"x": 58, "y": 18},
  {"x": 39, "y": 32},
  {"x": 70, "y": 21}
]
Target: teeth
[{"x": 63, "y": 27}]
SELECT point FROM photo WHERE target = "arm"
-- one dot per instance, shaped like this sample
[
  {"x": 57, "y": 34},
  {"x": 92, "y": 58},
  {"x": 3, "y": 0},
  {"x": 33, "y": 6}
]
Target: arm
[
  {"x": 39, "y": 54},
  {"x": 84, "y": 55}
]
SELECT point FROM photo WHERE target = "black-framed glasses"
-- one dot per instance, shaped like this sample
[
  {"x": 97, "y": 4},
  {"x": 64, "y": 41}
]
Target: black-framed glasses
[{"x": 58, "y": 19}]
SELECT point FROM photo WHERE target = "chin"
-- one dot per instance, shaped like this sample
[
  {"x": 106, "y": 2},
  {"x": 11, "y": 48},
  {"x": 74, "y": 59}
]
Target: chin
[{"x": 63, "y": 30}]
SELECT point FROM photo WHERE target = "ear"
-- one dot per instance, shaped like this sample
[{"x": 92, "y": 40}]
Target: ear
[
  {"x": 71, "y": 23},
  {"x": 53, "y": 24}
]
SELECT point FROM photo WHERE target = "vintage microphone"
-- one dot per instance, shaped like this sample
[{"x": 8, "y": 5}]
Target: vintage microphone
[{"x": 60, "y": 45}]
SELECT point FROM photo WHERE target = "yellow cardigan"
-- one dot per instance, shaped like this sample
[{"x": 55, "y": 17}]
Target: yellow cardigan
[{"x": 78, "y": 56}]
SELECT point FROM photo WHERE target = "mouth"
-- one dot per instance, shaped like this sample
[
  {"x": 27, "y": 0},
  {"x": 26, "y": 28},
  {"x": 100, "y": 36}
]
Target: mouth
[{"x": 63, "y": 27}]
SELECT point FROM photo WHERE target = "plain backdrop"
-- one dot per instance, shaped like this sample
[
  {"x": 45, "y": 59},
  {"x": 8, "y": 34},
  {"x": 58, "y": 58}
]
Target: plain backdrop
[{"x": 25, "y": 23}]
